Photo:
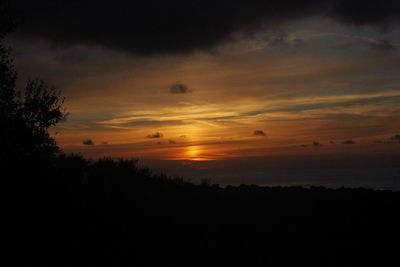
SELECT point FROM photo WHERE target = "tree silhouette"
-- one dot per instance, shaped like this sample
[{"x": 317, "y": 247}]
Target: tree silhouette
[{"x": 27, "y": 115}]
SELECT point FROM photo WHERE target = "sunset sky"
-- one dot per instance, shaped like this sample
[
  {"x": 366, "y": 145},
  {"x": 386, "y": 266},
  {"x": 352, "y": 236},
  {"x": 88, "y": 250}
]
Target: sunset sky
[{"x": 202, "y": 81}]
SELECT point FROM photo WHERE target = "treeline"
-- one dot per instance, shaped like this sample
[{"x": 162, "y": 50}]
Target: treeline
[{"x": 112, "y": 212}]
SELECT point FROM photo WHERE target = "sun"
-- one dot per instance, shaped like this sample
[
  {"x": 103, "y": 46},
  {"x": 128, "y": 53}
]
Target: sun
[{"x": 194, "y": 153}]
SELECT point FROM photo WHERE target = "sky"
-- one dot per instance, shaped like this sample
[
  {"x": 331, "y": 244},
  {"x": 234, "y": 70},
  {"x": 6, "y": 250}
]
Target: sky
[{"x": 214, "y": 84}]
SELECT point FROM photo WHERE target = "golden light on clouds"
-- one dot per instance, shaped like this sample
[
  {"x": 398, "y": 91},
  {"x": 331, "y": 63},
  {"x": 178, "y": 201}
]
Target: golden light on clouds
[
  {"x": 201, "y": 132},
  {"x": 297, "y": 92}
]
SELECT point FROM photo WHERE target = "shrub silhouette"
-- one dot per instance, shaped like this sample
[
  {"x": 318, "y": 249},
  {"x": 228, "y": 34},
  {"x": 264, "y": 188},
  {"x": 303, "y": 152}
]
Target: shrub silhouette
[
  {"x": 71, "y": 170},
  {"x": 26, "y": 117}
]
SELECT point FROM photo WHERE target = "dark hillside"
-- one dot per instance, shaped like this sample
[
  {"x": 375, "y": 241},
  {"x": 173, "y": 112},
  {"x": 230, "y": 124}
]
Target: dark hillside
[{"x": 113, "y": 213}]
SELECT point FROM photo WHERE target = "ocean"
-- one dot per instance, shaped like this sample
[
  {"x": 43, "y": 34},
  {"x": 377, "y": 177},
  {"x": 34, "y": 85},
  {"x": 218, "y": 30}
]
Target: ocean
[{"x": 372, "y": 178}]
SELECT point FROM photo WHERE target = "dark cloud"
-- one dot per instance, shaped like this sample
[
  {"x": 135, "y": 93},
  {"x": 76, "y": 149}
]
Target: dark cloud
[
  {"x": 88, "y": 142},
  {"x": 392, "y": 140},
  {"x": 383, "y": 142},
  {"x": 302, "y": 145},
  {"x": 348, "y": 142},
  {"x": 259, "y": 133},
  {"x": 6, "y": 18},
  {"x": 182, "y": 26},
  {"x": 182, "y": 136},
  {"x": 155, "y": 135},
  {"x": 315, "y": 143},
  {"x": 172, "y": 142},
  {"x": 365, "y": 12},
  {"x": 396, "y": 137},
  {"x": 179, "y": 88}
]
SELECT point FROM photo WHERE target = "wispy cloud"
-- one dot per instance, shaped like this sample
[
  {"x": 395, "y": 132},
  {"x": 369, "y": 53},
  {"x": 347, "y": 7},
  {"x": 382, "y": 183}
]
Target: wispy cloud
[
  {"x": 326, "y": 107},
  {"x": 88, "y": 142},
  {"x": 259, "y": 133},
  {"x": 155, "y": 135},
  {"x": 179, "y": 88},
  {"x": 383, "y": 45},
  {"x": 348, "y": 142},
  {"x": 316, "y": 143}
]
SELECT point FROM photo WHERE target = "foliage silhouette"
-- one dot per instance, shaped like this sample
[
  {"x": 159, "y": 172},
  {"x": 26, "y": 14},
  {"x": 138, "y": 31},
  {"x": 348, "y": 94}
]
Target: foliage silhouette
[
  {"x": 113, "y": 207},
  {"x": 26, "y": 117}
]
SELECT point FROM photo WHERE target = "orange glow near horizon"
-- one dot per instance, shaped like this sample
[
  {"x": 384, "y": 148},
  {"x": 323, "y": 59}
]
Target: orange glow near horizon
[
  {"x": 193, "y": 153},
  {"x": 253, "y": 104},
  {"x": 197, "y": 153}
]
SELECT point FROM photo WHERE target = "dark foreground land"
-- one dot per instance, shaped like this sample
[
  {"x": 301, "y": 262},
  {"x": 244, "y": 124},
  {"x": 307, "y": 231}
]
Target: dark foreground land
[{"x": 113, "y": 213}]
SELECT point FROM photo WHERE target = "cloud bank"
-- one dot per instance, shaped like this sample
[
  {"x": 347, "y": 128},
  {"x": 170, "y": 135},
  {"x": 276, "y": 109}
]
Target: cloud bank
[{"x": 181, "y": 26}]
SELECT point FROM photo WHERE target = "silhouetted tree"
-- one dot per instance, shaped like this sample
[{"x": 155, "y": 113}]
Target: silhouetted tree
[{"x": 25, "y": 117}]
